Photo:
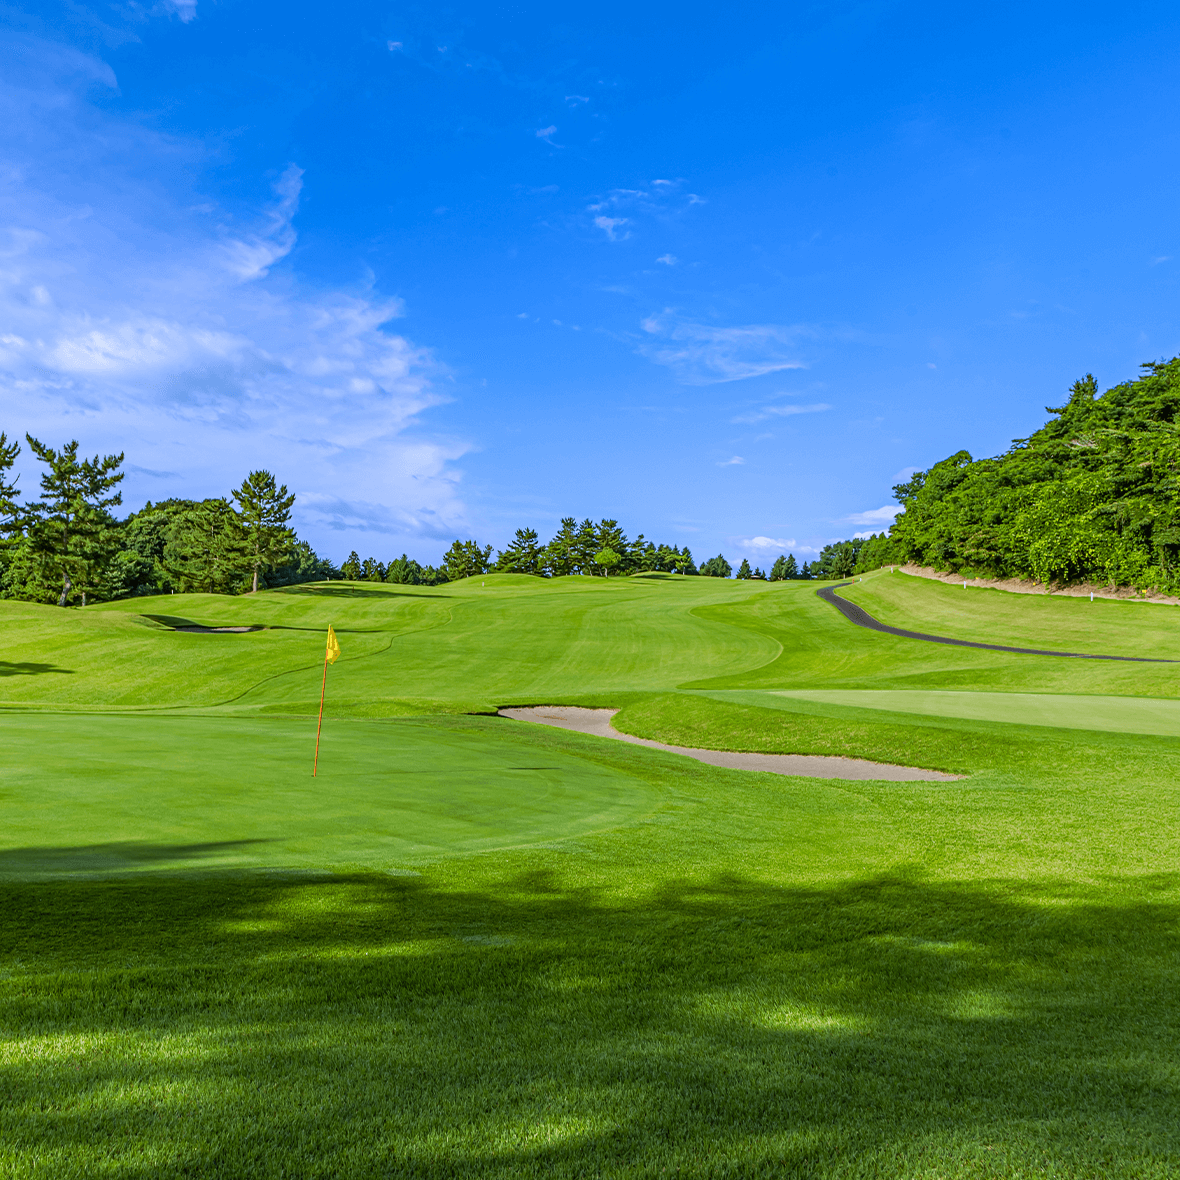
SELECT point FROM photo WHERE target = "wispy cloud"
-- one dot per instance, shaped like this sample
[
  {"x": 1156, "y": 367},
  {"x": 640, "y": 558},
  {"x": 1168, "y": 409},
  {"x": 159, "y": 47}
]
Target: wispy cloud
[
  {"x": 547, "y": 134},
  {"x": 765, "y": 412},
  {"x": 136, "y": 321},
  {"x": 736, "y": 461},
  {"x": 611, "y": 226},
  {"x": 668, "y": 259},
  {"x": 185, "y": 9},
  {"x": 702, "y": 354}
]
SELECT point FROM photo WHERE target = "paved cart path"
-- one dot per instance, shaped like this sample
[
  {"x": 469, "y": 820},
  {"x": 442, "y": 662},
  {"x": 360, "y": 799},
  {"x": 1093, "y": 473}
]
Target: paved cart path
[
  {"x": 597, "y": 722},
  {"x": 862, "y": 618}
]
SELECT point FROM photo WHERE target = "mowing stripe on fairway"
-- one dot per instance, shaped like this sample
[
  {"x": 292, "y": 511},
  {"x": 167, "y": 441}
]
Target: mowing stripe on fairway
[
  {"x": 1144, "y": 715},
  {"x": 862, "y": 618}
]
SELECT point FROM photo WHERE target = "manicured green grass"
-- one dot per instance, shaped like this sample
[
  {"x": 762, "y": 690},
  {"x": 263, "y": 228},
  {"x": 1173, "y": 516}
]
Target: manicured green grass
[
  {"x": 476, "y": 947},
  {"x": 1056, "y": 710}
]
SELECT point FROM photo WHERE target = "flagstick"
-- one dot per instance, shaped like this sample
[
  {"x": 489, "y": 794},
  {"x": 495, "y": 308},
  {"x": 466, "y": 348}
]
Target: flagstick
[{"x": 320, "y": 722}]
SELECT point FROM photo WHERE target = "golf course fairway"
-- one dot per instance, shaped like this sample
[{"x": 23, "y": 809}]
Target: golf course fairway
[{"x": 477, "y": 946}]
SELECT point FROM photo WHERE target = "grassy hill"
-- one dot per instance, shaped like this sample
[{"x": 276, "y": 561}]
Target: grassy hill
[{"x": 472, "y": 946}]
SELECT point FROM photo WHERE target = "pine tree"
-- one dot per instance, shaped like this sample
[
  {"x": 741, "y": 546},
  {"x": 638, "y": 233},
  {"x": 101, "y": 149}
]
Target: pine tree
[
  {"x": 744, "y": 570},
  {"x": 790, "y": 568},
  {"x": 559, "y": 558},
  {"x": 778, "y": 570},
  {"x": 523, "y": 555},
  {"x": 70, "y": 532},
  {"x": 465, "y": 559},
  {"x": 405, "y": 571},
  {"x": 10, "y": 513},
  {"x": 263, "y": 511},
  {"x": 350, "y": 571},
  {"x": 203, "y": 549},
  {"x": 585, "y": 546}
]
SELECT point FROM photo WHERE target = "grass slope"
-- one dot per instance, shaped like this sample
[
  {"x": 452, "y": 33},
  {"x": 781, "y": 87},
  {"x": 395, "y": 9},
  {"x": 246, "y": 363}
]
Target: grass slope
[{"x": 477, "y": 947}]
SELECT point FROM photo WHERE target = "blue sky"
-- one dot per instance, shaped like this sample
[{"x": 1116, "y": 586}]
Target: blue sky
[{"x": 725, "y": 273}]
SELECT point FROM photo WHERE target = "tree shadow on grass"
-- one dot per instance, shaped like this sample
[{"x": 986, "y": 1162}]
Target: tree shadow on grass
[
  {"x": 374, "y": 1026},
  {"x": 25, "y": 668},
  {"x": 107, "y": 858}
]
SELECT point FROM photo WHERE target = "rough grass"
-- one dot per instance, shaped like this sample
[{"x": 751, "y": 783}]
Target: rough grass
[{"x": 650, "y": 967}]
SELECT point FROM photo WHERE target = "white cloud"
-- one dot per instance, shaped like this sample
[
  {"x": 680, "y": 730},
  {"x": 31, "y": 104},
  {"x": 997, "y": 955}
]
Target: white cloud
[
  {"x": 875, "y": 516},
  {"x": 736, "y": 461},
  {"x": 185, "y": 9},
  {"x": 547, "y": 134},
  {"x": 764, "y": 547},
  {"x": 761, "y": 415},
  {"x": 667, "y": 259},
  {"x": 701, "y": 354},
  {"x": 135, "y": 321},
  {"x": 611, "y": 225}
]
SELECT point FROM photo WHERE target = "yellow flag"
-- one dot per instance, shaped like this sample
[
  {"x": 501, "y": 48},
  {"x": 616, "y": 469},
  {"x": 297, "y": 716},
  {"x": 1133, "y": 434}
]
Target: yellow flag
[{"x": 333, "y": 652}]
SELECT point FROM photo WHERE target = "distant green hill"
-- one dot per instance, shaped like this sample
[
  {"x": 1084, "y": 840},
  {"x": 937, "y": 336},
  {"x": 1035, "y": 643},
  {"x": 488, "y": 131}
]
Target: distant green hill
[{"x": 1091, "y": 496}]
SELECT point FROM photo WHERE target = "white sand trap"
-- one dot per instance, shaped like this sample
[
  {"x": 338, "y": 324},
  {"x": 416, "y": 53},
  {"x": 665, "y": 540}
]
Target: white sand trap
[{"x": 597, "y": 722}]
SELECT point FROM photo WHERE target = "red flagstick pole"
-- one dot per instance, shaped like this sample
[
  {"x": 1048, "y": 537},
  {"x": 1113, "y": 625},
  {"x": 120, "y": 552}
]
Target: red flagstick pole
[{"x": 323, "y": 688}]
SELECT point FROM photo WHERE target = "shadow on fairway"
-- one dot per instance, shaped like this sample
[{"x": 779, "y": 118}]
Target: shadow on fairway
[
  {"x": 8, "y": 668},
  {"x": 370, "y": 1025},
  {"x": 107, "y": 858}
]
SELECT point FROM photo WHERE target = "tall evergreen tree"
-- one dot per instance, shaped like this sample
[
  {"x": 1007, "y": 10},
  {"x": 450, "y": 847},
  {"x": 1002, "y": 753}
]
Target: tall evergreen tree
[
  {"x": 264, "y": 508},
  {"x": 559, "y": 557},
  {"x": 778, "y": 570},
  {"x": 585, "y": 546},
  {"x": 71, "y": 534},
  {"x": 9, "y": 509},
  {"x": 203, "y": 548},
  {"x": 744, "y": 570},
  {"x": 350, "y": 571},
  {"x": 716, "y": 567},
  {"x": 465, "y": 559},
  {"x": 523, "y": 555},
  {"x": 10, "y": 513},
  {"x": 790, "y": 568}
]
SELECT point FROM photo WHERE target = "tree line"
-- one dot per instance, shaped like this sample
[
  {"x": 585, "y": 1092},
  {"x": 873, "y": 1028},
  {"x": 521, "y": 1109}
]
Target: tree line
[
  {"x": 1093, "y": 495},
  {"x": 66, "y": 546},
  {"x": 603, "y": 549}
]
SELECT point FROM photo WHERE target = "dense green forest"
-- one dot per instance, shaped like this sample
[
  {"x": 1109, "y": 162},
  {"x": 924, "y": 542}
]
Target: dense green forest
[{"x": 1094, "y": 495}]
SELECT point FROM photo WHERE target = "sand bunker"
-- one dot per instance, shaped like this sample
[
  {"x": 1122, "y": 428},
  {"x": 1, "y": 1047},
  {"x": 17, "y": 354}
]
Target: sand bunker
[{"x": 597, "y": 722}]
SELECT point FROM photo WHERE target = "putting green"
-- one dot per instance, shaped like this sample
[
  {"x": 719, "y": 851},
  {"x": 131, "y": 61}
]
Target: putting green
[
  {"x": 1060, "y": 710},
  {"x": 85, "y": 792}
]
